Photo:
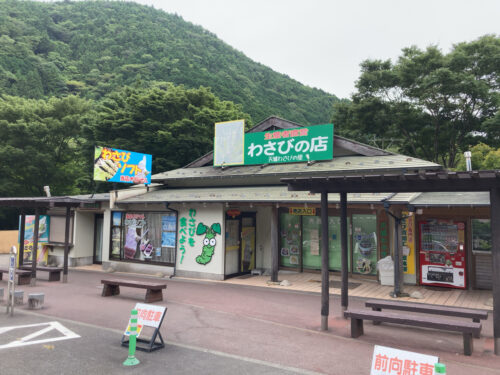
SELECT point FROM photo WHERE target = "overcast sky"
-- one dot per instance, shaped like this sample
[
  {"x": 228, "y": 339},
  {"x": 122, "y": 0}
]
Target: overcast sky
[{"x": 322, "y": 42}]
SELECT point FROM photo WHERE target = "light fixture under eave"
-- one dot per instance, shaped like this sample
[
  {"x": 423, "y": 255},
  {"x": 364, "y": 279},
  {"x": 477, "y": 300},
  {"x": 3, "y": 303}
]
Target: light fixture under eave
[
  {"x": 251, "y": 205},
  {"x": 227, "y": 204},
  {"x": 204, "y": 204}
]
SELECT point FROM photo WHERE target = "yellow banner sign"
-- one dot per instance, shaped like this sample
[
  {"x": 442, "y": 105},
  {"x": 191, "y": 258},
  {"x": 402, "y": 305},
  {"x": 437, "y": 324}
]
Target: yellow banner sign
[{"x": 305, "y": 211}]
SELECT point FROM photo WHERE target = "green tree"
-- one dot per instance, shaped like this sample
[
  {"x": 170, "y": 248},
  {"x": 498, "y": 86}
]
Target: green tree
[
  {"x": 482, "y": 157},
  {"x": 174, "y": 124},
  {"x": 41, "y": 145},
  {"x": 435, "y": 104}
]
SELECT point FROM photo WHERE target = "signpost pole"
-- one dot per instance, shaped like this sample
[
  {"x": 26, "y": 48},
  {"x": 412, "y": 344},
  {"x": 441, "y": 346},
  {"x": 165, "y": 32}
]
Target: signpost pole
[
  {"x": 11, "y": 288},
  {"x": 131, "y": 360}
]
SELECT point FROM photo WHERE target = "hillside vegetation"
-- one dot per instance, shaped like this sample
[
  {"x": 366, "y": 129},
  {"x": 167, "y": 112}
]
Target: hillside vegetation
[{"x": 91, "y": 49}]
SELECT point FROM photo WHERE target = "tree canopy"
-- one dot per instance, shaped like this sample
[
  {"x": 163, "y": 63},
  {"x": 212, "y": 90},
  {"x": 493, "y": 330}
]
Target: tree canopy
[
  {"x": 435, "y": 105},
  {"x": 174, "y": 124}
]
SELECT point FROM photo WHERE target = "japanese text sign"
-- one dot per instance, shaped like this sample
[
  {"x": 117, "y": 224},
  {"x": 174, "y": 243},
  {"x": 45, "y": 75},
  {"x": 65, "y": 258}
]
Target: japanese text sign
[
  {"x": 114, "y": 165},
  {"x": 305, "y": 211},
  {"x": 290, "y": 145},
  {"x": 149, "y": 315},
  {"x": 390, "y": 361}
]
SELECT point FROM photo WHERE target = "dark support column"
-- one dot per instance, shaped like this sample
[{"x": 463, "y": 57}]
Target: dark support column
[
  {"x": 495, "y": 260},
  {"x": 344, "y": 251},
  {"x": 397, "y": 259},
  {"x": 274, "y": 245},
  {"x": 325, "y": 281},
  {"x": 21, "y": 239},
  {"x": 66, "y": 244},
  {"x": 34, "y": 252}
]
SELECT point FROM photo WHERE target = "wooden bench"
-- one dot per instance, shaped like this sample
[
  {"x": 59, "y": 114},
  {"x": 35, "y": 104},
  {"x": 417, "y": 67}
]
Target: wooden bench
[
  {"x": 23, "y": 277},
  {"x": 54, "y": 272},
  {"x": 153, "y": 290},
  {"x": 475, "y": 315},
  {"x": 468, "y": 329}
]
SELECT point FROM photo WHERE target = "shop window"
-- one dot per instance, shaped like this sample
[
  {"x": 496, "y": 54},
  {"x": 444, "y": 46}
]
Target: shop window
[
  {"x": 116, "y": 229},
  {"x": 481, "y": 235},
  {"x": 289, "y": 240},
  {"x": 144, "y": 236},
  {"x": 304, "y": 233},
  {"x": 365, "y": 244}
]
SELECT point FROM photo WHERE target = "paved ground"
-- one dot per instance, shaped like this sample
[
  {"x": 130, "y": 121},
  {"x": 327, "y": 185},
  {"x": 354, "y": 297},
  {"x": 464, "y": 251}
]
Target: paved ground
[
  {"x": 96, "y": 352},
  {"x": 259, "y": 324}
]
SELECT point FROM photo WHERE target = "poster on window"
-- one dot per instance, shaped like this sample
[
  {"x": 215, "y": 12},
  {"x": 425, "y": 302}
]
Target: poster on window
[
  {"x": 168, "y": 239},
  {"x": 168, "y": 223}
]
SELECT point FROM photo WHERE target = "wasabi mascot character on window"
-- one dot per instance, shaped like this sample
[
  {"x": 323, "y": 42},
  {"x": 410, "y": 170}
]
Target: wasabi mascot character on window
[{"x": 208, "y": 242}]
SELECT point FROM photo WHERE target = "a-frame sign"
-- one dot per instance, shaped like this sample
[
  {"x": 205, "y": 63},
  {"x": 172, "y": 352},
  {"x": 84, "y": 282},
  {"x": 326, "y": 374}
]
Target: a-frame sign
[{"x": 147, "y": 316}]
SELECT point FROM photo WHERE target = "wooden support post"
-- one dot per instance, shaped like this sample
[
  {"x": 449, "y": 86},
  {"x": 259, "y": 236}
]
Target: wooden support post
[
  {"x": 21, "y": 239},
  {"x": 274, "y": 245},
  {"x": 34, "y": 251},
  {"x": 344, "y": 297},
  {"x": 66, "y": 244},
  {"x": 495, "y": 260},
  {"x": 356, "y": 327},
  {"x": 325, "y": 280},
  {"x": 468, "y": 343}
]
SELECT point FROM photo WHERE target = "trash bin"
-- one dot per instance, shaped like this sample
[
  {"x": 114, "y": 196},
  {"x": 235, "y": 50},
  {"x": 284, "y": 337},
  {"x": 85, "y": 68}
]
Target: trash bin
[{"x": 385, "y": 268}]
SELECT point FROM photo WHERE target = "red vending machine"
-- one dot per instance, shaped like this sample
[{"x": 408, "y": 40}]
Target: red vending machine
[{"x": 442, "y": 253}]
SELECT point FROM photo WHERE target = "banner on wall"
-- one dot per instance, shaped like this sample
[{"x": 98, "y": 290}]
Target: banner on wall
[
  {"x": 114, "y": 165},
  {"x": 233, "y": 147},
  {"x": 229, "y": 142},
  {"x": 408, "y": 241},
  {"x": 43, "y": 237}
]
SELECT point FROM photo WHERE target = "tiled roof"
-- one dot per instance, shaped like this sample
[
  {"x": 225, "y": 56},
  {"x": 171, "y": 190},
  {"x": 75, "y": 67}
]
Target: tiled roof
[
  {"x": 470, "y": 198},
  {"x": 248, "y": 194},
  {"x": 359, "y": 164}
]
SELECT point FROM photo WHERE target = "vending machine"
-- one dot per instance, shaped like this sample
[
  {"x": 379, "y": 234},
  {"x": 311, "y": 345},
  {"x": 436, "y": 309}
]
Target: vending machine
[{"x": 442, "y": 253}]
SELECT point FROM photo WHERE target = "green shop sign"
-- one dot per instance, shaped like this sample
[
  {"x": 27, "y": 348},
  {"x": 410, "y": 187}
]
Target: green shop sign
[{"x": 290, "y": 145}]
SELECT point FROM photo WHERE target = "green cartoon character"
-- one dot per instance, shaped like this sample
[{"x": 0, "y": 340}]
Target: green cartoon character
[{"x": 208, "y": 242}]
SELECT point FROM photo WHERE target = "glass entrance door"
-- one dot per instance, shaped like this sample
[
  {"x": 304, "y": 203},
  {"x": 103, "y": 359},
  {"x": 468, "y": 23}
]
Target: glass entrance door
[
  {"x": 232, "y": 245},
  {"x": 247, "y": 242},
  {"x": 98, "y": 233}
]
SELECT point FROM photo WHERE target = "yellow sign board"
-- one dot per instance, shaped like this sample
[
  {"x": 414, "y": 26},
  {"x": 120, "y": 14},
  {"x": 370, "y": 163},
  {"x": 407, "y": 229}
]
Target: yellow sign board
[
  {"x": 304, "y": 211},
  {"x": 408, "y": 239}
]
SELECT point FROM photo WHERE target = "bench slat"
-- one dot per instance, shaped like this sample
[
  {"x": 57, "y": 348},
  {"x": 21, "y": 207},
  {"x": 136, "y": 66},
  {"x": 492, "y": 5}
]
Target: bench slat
[
  {"x": 43, "y": 268},
  {"x": 135, "y": 284},
  {"x": 428, "y": 309},
  {"x": 18, "y": 271},
  {"x": 418, "y": 321}
]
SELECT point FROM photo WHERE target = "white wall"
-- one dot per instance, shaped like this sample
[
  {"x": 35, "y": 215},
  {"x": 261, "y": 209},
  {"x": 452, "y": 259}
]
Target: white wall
[
  {"x": 186, "y": 264},
  {"x": 83, "y": 235}
]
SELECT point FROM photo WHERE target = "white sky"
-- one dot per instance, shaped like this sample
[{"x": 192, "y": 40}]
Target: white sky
[{"x": 322, "y": 42}]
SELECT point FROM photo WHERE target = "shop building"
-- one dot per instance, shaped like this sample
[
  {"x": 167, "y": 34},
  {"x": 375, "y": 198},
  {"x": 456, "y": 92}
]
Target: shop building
[{"x": 212, "y": 222}]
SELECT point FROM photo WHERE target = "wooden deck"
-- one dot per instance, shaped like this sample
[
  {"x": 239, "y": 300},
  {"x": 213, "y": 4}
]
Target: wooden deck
[{"x": 311, "y": 282}]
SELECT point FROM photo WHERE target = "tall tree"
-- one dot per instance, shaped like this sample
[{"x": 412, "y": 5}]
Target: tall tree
[
  {"x": 41, "y": 145},
  {"x": 174, "y": 124},
  {"x": 435, "y": 104}
]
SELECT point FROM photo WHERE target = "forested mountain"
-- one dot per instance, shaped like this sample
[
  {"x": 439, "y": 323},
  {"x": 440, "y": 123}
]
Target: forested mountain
[{"x": 93, "y": 48}]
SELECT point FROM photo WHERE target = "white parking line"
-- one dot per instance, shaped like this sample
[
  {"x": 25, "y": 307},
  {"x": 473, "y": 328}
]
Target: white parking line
[{"x": 47, "y": 327}]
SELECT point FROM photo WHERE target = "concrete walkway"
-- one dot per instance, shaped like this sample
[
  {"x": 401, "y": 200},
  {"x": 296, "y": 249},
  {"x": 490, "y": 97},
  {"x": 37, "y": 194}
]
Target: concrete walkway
[
  {"x": 259, "y": 324},
  {"x": 360, "y": 286}
]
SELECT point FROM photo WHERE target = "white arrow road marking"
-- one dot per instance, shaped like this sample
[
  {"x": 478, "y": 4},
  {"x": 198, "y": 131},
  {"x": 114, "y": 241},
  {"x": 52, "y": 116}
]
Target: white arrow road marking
[{"x": 67, "y": 334}]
